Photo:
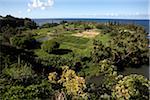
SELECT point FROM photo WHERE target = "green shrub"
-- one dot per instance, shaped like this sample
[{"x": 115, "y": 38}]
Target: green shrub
[
  {"x": 39, "y": 91},
  {"x": 18, "y": 72},
  {"x": 131, "y": 87},
  {"x": 49, "y": 46},
  {"x": 23, "y": 41},
  {"x": 48, "y": 25},
  {"x": 29, "y": 24}
]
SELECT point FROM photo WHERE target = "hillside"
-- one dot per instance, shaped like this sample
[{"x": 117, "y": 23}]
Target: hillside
[{"x": 60, "y": 60}]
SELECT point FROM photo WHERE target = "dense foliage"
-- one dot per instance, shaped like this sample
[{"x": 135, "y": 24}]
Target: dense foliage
[
  {"x": 20, "y": 82},
  {"x": 49, "y": 46},
  {"x": 63, "y": 61},
  {"x": 10, "y": 26},
  {"x": 123, "y": 48},
  {"x": 132, "y": 87},
  {"x": 17, "y": 22},
  {"x": 71, "y": 83},
  {"x": 49, "y": 25},
  {"x": 22, "y": 41}
]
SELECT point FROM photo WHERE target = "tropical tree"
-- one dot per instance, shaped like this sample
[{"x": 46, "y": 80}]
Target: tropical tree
[
  {"x": 100, "y": 52},
  {"x": 48, "y": 25},
  {"x": 7, "y": 33},
  {"x": 73, "y": 84},
  {"x": 129, "y": 47},
  {"x": 132, "y": 87},
  {"x": 38, "y": 91},
  {"x": 28, "y": 23},
  {"x": 23, "y": 41}
]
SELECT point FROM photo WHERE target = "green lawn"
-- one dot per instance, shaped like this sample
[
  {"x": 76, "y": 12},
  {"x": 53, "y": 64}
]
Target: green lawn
[
  {"x": 104, "y": 38},
  {"x": 74, "y": 39},
  {"x": 79, "y": 45}
]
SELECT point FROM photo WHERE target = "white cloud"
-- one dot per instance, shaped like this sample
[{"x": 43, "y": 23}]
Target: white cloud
[
  {"x": 113, "y": 15},
  {"x": 19, "y": 12},
  {"x": 28, "y": 10},
  {"x": 34, "y": 4},
  {"x": 137, "y": 13}
]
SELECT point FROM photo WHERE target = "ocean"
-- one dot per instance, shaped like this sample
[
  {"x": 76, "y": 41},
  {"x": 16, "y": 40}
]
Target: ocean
[{"x": 144, "y": 23}]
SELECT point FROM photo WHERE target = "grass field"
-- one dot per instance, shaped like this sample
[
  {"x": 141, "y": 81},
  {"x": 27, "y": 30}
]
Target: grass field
[
  {"x": 79, "y": 45},
  {"x": 103, "y": 37}
]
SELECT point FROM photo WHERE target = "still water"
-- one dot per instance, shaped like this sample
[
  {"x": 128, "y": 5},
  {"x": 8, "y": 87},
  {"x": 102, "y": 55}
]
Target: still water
[{"x": 143, "y": 70}]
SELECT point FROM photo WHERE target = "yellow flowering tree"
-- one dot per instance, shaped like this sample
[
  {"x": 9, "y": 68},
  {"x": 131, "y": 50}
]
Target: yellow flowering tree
[
  {"x": 52, "y": 77},
  {"x": 131, "y": 87},
  {"x": 73, "y": 84}
]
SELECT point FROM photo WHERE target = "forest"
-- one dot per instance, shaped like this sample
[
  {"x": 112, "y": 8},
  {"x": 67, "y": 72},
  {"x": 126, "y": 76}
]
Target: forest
[{"x": 57, "y": 61}]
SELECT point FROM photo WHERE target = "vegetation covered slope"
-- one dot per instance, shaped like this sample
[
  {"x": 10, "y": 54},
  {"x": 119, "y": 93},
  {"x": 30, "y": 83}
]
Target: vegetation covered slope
[{"x": 56, "y": 61}]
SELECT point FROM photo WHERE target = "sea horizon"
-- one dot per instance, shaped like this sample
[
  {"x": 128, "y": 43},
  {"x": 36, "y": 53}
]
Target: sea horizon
[
  {"x": 96, "y": 18},
  {"x": 143, "y": 22}
]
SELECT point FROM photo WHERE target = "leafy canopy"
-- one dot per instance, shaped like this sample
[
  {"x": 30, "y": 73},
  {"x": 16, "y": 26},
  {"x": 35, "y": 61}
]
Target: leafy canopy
[{"x": 50, "y": 45}]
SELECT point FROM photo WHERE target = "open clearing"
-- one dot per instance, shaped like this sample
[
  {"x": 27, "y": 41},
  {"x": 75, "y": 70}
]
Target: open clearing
[{"x": 87, "y": 34}]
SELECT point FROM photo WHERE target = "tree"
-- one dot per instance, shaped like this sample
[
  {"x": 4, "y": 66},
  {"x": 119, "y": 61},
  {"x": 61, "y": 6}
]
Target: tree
[
  {"x": 19, "y": 81},
  {"x": 7, "y": 33},
  {"x": 87, "y": 27},
  {"x": 129, "y": 47},
  {"x": 100, "y": 51},
  {"x": 17, "y": 22},
  {"x": 63, "y": 22},
  {"x": 73, "y": 84},
  {"x": 108, "y": 71},
  {"x": 18, "y": 72},
  {"x": 28, "y": 23},
  {"x": 23, "y": 41},
  {"x": 50, "y": 45},
  {"x": 48, "y": 25},
  {"x": 99, "y": 26},
  {"x": 38, "y": 91},
  {"x": 131, "y": 87}
]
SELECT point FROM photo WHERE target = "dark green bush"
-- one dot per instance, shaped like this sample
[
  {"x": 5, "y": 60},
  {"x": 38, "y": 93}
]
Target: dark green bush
[
  {"x": 39, "y": 91},
  {"x": 48, "y": 25},
  {"x": 29, "y": 24},
  {"x": 19, "y": 82},
  {"x": 23, "y": 41},
  {"x": 49, "y": 46},
  {"x": 18, "y": 72}
]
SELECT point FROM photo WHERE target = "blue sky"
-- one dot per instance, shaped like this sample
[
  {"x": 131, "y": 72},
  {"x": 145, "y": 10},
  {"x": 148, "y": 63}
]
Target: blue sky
[{"x": 127, "y": 9}]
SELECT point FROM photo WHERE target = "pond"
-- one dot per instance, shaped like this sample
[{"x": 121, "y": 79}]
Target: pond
[{"x": 143, "y": 70}]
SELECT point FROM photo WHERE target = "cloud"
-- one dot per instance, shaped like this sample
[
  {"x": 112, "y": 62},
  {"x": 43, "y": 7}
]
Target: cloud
[
  {"x": 134, "y": 15},
  {"x": 19, "y": 12},
  {"x": 34, "y": 4}
]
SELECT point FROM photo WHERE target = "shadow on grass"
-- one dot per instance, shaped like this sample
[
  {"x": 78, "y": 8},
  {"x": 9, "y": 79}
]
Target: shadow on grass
[
  {"x": 36, "y": 45},
  {"x": 61, "y": 51}
]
